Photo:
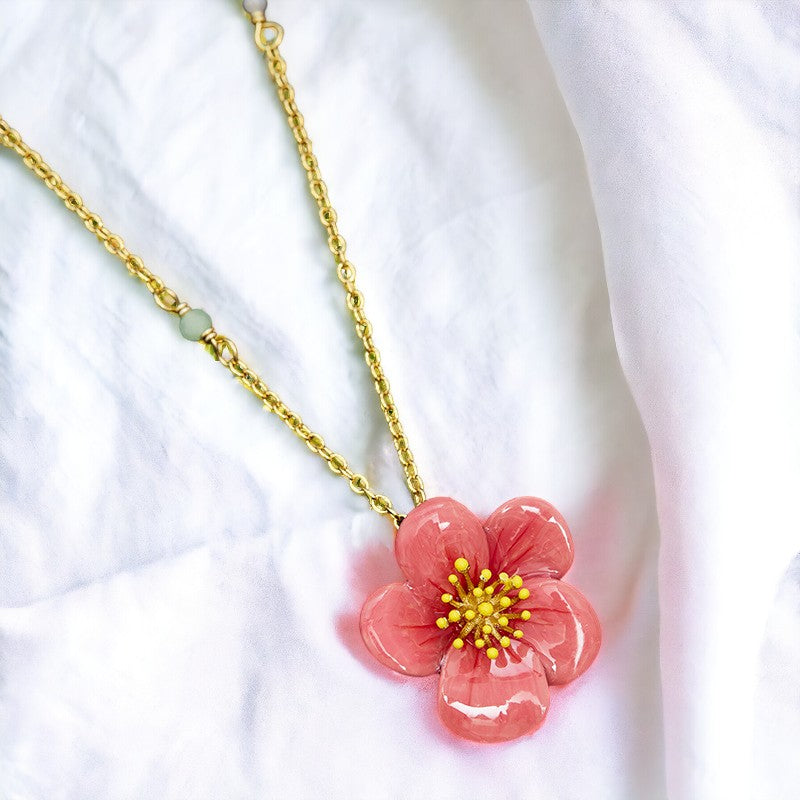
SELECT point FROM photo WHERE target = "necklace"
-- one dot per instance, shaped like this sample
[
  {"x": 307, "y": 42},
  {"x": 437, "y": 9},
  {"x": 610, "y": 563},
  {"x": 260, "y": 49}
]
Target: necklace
[{"x": 483, "y": 602}]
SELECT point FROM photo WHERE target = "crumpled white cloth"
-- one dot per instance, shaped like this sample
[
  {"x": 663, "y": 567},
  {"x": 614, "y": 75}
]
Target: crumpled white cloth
[{"x": 577, "y": 234}]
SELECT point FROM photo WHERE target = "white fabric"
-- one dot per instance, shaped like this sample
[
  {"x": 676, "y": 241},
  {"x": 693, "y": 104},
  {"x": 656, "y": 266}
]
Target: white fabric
[{"x": 181, "y": 579}]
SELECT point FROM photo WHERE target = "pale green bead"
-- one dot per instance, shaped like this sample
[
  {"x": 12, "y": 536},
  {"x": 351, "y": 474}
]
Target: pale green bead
[{"x": 194, "y": 324}]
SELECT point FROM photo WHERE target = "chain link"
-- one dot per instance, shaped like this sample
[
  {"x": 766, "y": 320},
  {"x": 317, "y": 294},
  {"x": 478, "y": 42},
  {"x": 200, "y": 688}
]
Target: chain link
[
  {"x": 221, "y": 347},
  {"x": 268, "y": 37}
]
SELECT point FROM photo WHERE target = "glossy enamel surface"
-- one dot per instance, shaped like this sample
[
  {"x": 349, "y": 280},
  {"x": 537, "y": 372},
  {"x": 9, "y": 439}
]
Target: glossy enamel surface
[
  {"x": 398, "y": 630},
  {"x": 432, "y": 537},
  {"x": 493, "y": 701},
  {"x": 527, "y": 535},
  {"x": 564, "y": 629}
]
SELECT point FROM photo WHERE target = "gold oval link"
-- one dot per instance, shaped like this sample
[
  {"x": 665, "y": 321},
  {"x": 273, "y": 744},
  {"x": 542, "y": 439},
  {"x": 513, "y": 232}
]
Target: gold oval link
[
  {"x": 237, "y": 368},
  {"x": 397, "y": 430},
  {"x": 293, "y": 421},
  {"x": 53, "y": 180},
  {"x": 315, "y": 442},
  {"x": 272, "y": 400},
  {"x": 248, "y": 378},
  {"x": 359, "y": 484},
  {"x": 93, "y": 222},
  {"x": 337, "y": 463},
  {"x": 318, "y": 188},
  {"x": 327, "y": 216},
  {"x": 226, "y": 350},
  {"x": 114, "y": 244},
  {"x": 380, "y": 503},
  {"x": 258, "y": 387},
  {"x": 300, "y": 135},
  {"x": 346, "y": 273},
  {"x": 277, "y": 66},
  {"x": 137, "y": 268},
  {"x": 166, "y": 299},
  {"x": 155, "y": 284},
  {"x": 354, "y": 300},
  {"x": 281, "y": 410}
]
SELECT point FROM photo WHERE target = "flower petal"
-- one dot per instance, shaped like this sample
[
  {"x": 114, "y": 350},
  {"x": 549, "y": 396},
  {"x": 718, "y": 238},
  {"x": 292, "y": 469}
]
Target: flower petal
[
  {"x": 399, "y": 629},
  {"x": 432, "y": 537},
  {"x": 528, "y": 536},
  {"x": 563, "y": 629},
  {"x": 493, "y": 701}
]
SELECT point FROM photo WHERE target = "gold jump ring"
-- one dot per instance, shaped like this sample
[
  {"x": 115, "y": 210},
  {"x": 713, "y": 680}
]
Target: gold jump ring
[{"x": 263, "y": 39}]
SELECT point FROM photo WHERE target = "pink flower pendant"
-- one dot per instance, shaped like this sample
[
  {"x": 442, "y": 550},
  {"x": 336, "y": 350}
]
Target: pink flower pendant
[{"x": 484, "y": 605}]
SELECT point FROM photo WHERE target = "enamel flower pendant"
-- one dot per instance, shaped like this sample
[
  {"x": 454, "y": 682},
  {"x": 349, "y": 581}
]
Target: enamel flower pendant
[{"x": 484, "y": 605}]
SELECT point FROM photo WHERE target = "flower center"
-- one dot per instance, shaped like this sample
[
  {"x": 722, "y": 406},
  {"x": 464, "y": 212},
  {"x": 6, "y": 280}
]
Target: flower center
[{"x": 483, "y": 610}]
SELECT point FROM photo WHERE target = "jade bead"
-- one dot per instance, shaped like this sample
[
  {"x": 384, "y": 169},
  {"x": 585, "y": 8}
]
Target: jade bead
[{"x": 194, "y": 323}]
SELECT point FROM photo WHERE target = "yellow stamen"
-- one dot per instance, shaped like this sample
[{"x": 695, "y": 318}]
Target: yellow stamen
[
  {"x": 466, "y": 630},
  {"x": 504, "y": 590},
  {"x": 486, "y": 609},
  {"x": 482, "y": 609}
]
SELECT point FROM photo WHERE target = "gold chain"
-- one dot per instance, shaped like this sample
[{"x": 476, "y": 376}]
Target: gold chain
[
  {"x": 268, "y": 38},
  {"x": 223, "y": 348}
]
